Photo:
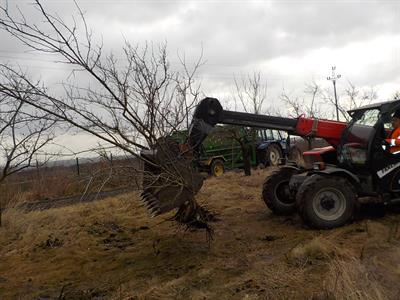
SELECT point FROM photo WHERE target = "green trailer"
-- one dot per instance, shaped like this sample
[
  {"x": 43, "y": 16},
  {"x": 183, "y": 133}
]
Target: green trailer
[{"x": 221, "y": 151}]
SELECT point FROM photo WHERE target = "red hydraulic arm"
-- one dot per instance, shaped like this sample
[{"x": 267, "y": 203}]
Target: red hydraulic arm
[
  {"x": 329, "y": 130},
  {"x": 209, "y": 112}
]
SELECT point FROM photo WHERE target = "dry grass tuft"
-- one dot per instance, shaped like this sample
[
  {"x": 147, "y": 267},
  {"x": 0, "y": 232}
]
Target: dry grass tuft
[
  {"x": 315, "y": 251},
  {"x": 350, "y": 280}
]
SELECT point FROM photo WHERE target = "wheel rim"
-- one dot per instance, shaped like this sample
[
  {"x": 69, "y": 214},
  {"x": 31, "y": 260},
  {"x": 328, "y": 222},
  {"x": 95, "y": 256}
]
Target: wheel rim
[
  {"x": 282, "y": 193},
  {"x": 218, "y": 170},
  {"x": 329, "y": 204},
  {"x": 273, "y": 157}
]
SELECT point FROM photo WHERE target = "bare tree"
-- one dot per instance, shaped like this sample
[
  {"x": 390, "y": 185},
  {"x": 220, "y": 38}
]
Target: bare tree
[
  {"x": 309, "y": 103},
  {"x": 129, "y": 105},
  {"x": 314, "y": 91},
  {"x": 245, "y": 138},
  {"x": 23, "y": 135},
  {"x": 352, "y": 98},
  {"x": 295, "y": 104},
  {"x": 128, "y": 102},
  {"x": 319, "y": 103},
  {"x": 251, "y": 93}
]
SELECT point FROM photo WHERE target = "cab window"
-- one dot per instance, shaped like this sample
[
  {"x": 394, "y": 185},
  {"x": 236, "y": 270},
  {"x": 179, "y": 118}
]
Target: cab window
[{"x": 356, "y": 146}]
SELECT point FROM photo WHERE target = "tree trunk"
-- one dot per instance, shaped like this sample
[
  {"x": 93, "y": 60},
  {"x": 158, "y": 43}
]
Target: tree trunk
[{"x": 246, "y": 159}]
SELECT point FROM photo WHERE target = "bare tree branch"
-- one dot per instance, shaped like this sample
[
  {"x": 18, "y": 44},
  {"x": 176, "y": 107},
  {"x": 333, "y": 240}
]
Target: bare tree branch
[
  {"x": 129, "y": 103},
  {"x": 251, "y": 91}
]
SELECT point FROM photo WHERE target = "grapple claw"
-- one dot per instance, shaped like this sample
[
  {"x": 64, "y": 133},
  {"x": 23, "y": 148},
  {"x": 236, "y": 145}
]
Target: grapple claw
[
  {"x": 154, "y": 212},
  {"x": 169, "y": 178}
]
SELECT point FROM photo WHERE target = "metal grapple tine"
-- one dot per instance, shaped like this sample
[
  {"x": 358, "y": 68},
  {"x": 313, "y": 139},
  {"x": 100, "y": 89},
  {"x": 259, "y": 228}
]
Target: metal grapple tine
[{"x": 170, "y": 179}]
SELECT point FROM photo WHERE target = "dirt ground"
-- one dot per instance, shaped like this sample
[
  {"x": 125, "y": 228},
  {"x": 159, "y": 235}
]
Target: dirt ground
[{"x": 111, "y": 249}]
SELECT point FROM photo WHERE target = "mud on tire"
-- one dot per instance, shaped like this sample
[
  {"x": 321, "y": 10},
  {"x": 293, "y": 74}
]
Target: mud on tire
[
  {"x": 276, "y": 194},
  {"x": 326, "y": 202}
]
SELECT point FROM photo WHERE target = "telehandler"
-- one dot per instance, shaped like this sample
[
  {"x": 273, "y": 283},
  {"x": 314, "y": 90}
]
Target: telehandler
[{"x": 357, "y": 165}]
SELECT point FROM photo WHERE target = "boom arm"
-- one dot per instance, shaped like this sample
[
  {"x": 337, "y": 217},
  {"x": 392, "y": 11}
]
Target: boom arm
[{"x": 209, "y": 112}]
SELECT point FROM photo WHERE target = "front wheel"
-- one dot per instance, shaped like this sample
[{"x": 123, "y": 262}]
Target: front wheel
[
  {"x": 276, "y": 193},
  {"x": 273, "y": 154},
  {"x": 326, "y": 202},
  {"x": 217, "y": 168}
]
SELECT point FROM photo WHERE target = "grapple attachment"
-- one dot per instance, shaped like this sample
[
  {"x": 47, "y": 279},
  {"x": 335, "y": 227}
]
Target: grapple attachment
[{"x": 170, "y": 179}]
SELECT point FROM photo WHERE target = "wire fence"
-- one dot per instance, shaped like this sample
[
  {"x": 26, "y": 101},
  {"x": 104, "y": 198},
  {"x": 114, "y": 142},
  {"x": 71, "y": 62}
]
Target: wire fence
[{"x": 54, "y": 181}]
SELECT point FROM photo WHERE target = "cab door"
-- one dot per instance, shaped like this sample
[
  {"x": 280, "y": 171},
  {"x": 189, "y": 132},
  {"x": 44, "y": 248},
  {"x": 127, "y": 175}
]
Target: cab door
[
  {"x": 385, "y": 166},
  {"x": 355, "y": 146}
]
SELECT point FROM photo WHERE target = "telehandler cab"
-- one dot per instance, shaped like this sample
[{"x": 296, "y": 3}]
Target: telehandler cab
[{"x": 326, "y": 194}]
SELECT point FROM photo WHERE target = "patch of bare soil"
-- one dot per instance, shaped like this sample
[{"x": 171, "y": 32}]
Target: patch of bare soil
[{"x": 111, "y": 249}]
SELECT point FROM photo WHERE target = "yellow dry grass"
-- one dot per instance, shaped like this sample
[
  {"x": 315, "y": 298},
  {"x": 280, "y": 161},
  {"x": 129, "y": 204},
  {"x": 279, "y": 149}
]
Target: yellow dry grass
[{"x": 110, "y": 249}]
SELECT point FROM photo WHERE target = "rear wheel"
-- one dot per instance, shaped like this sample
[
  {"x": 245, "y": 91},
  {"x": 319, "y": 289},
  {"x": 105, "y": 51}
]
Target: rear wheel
[
  {"x": 326, "y": 201},
  {"x": 276, "y": 193},
  {"x": 217, "y": 168},
  {"x": 273, "y": 154}
]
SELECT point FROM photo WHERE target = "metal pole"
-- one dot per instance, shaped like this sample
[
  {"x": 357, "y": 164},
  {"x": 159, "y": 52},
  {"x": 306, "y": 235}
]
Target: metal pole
[
  {"x": 333, "y": 78},
  {"x": 336, "y": 101}
]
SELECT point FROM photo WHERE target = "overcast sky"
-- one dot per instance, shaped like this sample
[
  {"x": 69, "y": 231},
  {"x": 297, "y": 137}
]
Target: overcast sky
[{"x": 289, "y": 42}]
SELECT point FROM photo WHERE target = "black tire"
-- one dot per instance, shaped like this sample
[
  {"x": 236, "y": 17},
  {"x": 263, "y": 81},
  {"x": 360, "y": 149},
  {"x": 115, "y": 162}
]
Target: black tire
[
  {"x": 217, "y": 167},
  {"x": 276, "y": 193},
  {"x": 326, "y": 202},
  {"x": 273, "y": 154}
]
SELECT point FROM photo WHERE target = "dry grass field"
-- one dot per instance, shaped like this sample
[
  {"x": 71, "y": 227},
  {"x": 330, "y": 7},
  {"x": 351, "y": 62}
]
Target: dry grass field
[
  {"x": 56, "y": 182},
  {"x": 110, "y": 249}
]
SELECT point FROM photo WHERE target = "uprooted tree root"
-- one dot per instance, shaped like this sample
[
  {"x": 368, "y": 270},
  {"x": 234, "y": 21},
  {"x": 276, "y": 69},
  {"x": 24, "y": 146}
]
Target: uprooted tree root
[{"x": 194, "y": 216}]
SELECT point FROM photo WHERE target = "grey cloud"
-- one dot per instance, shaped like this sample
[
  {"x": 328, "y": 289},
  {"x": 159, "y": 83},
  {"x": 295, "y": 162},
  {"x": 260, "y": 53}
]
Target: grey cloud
[
  {"x": 236, "y": 35},
  {"x": 239, "y": 34},
  {"x": 133, "y": 12}
]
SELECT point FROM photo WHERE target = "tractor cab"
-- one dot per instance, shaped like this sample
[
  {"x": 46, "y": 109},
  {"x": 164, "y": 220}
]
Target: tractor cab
[{"x": 362, "y": 149}]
